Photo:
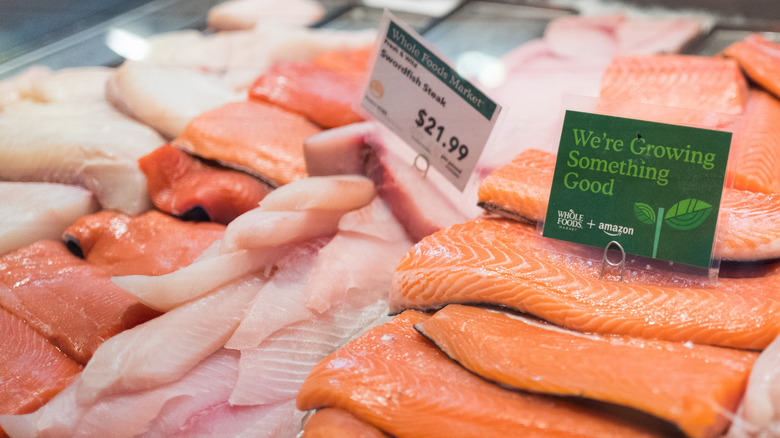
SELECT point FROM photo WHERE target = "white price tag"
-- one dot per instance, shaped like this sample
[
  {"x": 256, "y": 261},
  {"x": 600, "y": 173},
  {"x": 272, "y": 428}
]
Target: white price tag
[{"x": 420, "y": 97}]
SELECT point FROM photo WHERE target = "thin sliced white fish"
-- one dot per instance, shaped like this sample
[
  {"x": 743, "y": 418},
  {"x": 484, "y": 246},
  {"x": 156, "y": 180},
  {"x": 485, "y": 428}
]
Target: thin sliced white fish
[
  {"x": 166, "y": 98},
  {"x": 70, "y": 84},
  {"x": 276, "y": 420},
  {"x": 163, "y": 349},
  {"x": 81, "y": 142},
  {"x": 31, "y": 212},
  {"x": 258, "y": 228},
  {"x": 165, "y": 292},
  {"x": 246, "y": 14},
  {"x": 339, "y": 192},
  {"x": 275, "y": 370},
  {"x": 278, "y": 303}
]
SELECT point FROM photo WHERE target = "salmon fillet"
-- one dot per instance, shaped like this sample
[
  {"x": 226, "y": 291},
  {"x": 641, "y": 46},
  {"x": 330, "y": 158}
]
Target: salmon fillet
[
  {"x": 756, "y": 145},
  {"x": 395, "y": 379},
  {"x": 257, "y": 137},
  {"x": 322, "y": 95},
  {"x": 183, "y": 186},
  {"x": 504, "y": 262},
  {"x": 151, "y": 244},
  {"x": 32, "y": 370},
  {"x": 760, "y": 59},
  {"x": 70, "y": 302},
  {"x": 337, "y": 423},
  {"x": 690, "y": 385},
  {"x": 682, "y": 81},
  {"x": 521, "y": 189}
]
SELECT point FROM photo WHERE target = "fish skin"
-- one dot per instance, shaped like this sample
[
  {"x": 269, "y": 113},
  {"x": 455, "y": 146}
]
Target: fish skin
[
  {"x": 39, "y": 211},
  {"x": 395, "y": 379},
  {"x": 693, "y": 386},
  {"x": 153, "y": 243},
  {"x": 70, "y": 302},
  {"x": 520, "y": 191},
  {"x": 324, "y": 96},
  {"x": 179, "y": 183},
  {"x": 32, "y": 370},
  {"x": 504, "y": 262},
  {"x": 337, "y": 423},
  {"x": 760, "y": 59},
  {"x": 256, "y": 137}
]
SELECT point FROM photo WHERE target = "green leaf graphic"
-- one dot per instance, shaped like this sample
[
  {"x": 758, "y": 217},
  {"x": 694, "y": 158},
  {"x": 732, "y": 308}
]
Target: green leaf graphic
[
  {"x": 644, "y": 213},
  {"x": 687, "y": 214}
]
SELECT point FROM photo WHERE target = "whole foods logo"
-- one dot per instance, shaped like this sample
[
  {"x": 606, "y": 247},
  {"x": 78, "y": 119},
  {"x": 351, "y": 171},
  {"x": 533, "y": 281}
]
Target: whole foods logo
[{"x": 569, "y": 220}]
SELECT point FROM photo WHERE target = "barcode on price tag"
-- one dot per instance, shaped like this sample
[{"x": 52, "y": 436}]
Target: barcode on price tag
[{"x": 420, "y": 97}]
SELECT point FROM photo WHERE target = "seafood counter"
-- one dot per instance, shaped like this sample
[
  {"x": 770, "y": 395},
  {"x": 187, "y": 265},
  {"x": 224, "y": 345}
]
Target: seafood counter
[{"x": 204, "y": 235}]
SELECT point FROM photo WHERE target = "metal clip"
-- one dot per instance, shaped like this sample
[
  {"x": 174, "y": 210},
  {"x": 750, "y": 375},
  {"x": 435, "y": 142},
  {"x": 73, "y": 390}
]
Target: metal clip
[
  {"x": 606, "y": 261},
  {"x": 416, "y": 167}
]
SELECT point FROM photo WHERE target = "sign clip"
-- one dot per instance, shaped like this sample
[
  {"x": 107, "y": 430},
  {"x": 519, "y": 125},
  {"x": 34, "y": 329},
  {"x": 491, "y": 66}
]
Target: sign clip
[{"x": 605, "y": 260}]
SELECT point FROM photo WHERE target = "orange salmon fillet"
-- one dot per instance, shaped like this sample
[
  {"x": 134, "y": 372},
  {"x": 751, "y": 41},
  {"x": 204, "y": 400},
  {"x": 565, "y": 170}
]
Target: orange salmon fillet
[
  {"x": 690, "y": 385},
  {"x": 520, "y": 190},
  {"x": 70, "y": 302},
  {"x": 504, "y": 262},
  {"x": 336, "y": 423},
  {"x": 394, "y": 378},
  {"x": 760, "y": 58},
  {"x": 257, "y": 137},
  {"x": 756, "y": 145}
]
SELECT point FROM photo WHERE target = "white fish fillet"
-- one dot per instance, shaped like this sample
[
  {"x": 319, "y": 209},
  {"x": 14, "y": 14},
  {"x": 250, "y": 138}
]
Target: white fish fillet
[
  {"x": 758, "y": 416},
  {"x": 165, "y": 292},
  {"x": 70, "y": 84},
  {"x": 166, "y": 98},
  {"x": 337, "y": 192},
  {"x": 167, "y": 347},
  {"x": 246, "y": 14},
  {"x": 258, "y": 228},
  {"x": 275, "y": 370},
  {"x": 36, "y": 211},
  {"x": 84, "y": 143},
  {"x": 277, "y": 420}
]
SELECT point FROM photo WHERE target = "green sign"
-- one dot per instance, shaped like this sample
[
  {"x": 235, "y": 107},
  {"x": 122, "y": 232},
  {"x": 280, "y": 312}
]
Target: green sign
[{"x": 654, "y": 188}]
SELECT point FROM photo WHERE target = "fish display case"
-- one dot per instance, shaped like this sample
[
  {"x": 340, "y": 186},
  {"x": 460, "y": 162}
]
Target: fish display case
[{"x": 205, "y": 234}]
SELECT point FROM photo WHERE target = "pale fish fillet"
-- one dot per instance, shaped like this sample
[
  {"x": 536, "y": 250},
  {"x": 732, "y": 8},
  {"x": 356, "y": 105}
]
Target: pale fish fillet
[
  {"x": 758, "y": 415},
  {"x": 359, "y": 260},
  {"x": 275, "y": 370},
  {"x": 165, "y": 292},
  {"x": 258, "y": 228},
  {"x": 83, "y": 143},
  {"x": 246, "y": 14},
  {"x": 70, "y": 84},
  {"x": 37, "y": 211},
  {"x": 278, "y": 303},
  {"x": 338, "y": 192},
  {"x": 167, "y": 347},
  {"x": 170, "y": 404},
  {"x": 166, "y": 98}
]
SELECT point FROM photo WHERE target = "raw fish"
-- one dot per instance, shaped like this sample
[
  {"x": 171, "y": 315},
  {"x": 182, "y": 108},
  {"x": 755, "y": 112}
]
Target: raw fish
[
  {"x": 759, "y": 413},
  {"x": 253, "y": 136},
  {"x": 150, "y": 244},
  {"x": 520, "y": 190},
  {"x": 760, "y": 59},
  {"x": 184, "y": 186},
  {"x": 166, "y": 98},
  {"x": 692, "y": 386},
  {"x": 337, "y": 423},
  {"x": 259, "y": 228},
  {"x": 419, "y": 204},
  {"x": 324, "y": 96},
  {"x": 32, "y": 370},
  {"x": 70, "y": 302},
  {"x": 78, "y": 142},
  {"x": 177, "y": 340},
  {"x": 338, "y": 192},
  {"x": 69, "y": 84},
  {"x": 506, "y": 263},
  {"x": 757, "y": 145},
  {"x": 246, "y": 14},
  {"x": 396, "y": 380},
  {"x": 39, "y": 211}
]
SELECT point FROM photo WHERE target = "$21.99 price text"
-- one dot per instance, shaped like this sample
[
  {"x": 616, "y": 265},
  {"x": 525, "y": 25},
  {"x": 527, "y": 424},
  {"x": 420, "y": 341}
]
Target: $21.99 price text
[{"x": 432, "y": 128}]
